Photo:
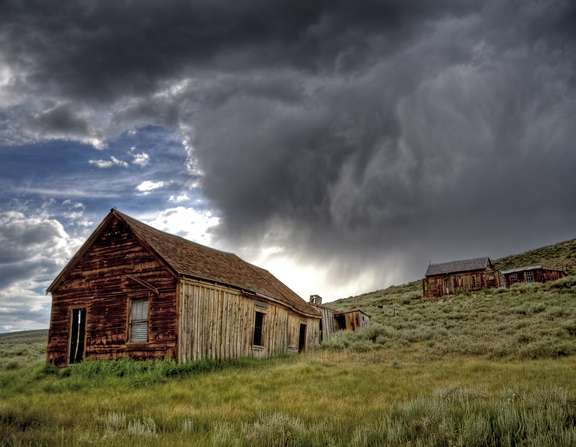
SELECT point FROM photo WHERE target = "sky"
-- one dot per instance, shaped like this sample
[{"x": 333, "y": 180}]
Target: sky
[{"x": 343, "y": 145}]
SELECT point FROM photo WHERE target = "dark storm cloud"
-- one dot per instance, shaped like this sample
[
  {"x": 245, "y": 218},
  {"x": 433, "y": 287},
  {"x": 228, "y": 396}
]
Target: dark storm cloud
[
  {"x": 355, "y": 134},
  {"x": 101, "y": 51},
  {"x": 62, "y": 122}
]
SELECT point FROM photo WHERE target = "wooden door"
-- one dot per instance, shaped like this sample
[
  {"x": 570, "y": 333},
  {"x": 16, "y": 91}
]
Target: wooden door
[
  {"x": 77, "y": 335},
  {"x": 447, "y": 286},
  {"x": 302, "y": 340}
]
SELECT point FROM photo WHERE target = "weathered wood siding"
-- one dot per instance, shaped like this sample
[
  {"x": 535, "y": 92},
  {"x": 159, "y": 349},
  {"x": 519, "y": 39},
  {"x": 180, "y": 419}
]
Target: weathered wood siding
[
  {"x": 437, "y": 286},
  {"x": 218, "y": 322},
  {"x": 538, "y": 275},
  {"x": 328, "y": 322},
  {"x": 351, "y": 320},
  {"x": 99, "y": 284}
]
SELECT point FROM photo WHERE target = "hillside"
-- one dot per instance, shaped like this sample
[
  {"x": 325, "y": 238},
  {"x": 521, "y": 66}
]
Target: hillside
[
  {"x": 525, "y": 321},
  {"x": 18, "y": 349},
  {"x": 560, "y": 256}
]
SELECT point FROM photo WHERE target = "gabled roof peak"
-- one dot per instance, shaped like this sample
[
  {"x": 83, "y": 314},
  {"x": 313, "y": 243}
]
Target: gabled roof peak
[{"x": 197, "y": 261}]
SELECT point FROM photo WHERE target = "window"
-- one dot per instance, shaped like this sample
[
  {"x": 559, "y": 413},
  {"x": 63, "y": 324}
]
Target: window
[
  {"x": 139, "y": 321},
  {"x": 513, "y": 278},
  {"x": 474, "y": 284},
  {"x": 258, "y": 325},
  {"x": 529, "y": 277}
]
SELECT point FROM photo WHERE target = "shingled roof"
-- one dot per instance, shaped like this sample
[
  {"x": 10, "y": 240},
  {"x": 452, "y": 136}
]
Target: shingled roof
[
  {"x": 458, "y": 266},
  {"x": 197, "y": 261}
]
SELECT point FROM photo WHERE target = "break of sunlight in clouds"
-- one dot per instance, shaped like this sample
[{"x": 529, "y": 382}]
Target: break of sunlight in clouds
[{"x": 188, "y": 223}]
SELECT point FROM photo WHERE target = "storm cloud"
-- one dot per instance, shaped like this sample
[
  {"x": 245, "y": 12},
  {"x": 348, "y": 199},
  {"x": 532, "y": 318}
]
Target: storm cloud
[{"x": 348, "y": 142}]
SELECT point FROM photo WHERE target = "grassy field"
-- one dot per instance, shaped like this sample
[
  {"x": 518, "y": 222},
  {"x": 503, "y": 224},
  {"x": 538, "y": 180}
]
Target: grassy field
[{"x": 490, "y": 368}]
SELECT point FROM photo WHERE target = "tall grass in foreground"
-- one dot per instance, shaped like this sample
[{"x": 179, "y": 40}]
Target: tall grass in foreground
[{"x": 322, "y": 399}]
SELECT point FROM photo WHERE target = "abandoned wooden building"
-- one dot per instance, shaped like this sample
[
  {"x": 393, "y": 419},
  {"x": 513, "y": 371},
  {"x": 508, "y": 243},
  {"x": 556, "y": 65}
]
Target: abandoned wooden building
[
  {"x": 535, "y": 273},
  {"x": 451, "y": 277},
  {"x": 135, "y": 291},
  {"x": 351, "y": 320},
  {"x": 333, "y": 320}
]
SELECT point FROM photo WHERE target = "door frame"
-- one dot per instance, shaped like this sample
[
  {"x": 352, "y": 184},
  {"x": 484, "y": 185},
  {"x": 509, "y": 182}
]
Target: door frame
[{"x": 80, "y": 324}]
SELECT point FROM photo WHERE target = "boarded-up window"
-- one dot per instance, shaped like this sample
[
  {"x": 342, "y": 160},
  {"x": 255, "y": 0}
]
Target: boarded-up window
[
  {"x": 258, "y": 324},
  {"x": 139, "y": 321}
]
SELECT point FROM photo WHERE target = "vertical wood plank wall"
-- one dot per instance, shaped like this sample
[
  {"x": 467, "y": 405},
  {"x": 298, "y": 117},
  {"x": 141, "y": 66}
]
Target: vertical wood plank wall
[
  {"x": 218, "y": 322},
  {"x": 328, "y": 322}
]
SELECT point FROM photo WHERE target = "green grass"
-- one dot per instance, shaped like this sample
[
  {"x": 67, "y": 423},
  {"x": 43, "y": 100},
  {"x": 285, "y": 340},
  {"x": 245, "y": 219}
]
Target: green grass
[
  {"x": 527, "y": 321},
  {"x": 18, "y": 349},
  {"x": 323, "y": 398}
]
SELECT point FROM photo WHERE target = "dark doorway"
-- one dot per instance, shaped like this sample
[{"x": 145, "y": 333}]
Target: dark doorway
[
  {"x": 302, "y": 341},
  {"x": 77, "y": 333}
]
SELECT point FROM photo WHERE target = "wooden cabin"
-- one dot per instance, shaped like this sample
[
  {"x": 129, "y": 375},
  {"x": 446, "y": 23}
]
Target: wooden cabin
[
  {"x": 452, "y": 277},
  {"x": 535, "y": 273},
  {"x": 333, "y": 321},
  {"x": 134, "y": 291}
]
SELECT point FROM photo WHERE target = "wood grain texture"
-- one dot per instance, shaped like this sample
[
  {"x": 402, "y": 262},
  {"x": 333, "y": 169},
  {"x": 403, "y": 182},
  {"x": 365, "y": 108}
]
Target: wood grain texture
[{"x": 99, "y": 283}]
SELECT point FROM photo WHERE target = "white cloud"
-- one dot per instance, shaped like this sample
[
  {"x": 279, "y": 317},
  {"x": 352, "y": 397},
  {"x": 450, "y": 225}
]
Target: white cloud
[
  {"x": 182, "y": 198},
  {"x": 187, "y": 222},
  {"x": 141, "y": 159},
  {"x": 34, "y": 249},
  {"x": 109, "y": 163},
  {"x": 149, "y": 186},
  {"x": 72, "y": 204}
]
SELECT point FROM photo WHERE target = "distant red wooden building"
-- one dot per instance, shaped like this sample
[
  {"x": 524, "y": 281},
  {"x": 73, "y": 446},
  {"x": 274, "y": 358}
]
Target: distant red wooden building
[
  {"x": 135, "y": 291},
  {"x": 451, "y": 277},
  {"x": 535, "y": 273}
]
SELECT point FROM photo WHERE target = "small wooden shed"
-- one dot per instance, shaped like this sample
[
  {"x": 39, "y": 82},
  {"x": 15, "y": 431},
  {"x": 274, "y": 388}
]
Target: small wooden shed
[
  {"x": 351, "y": 320},
  {"x": 135, "y": 291},
  {"x": 534, "y": 273},
  {"x": 451, "y": 277},
  {"x": 333, "y": 321}
]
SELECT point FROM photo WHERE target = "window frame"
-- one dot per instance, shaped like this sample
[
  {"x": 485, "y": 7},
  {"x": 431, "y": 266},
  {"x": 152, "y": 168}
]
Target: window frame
[
  {"x": 258, "y": 334},
  {"x": 142, "y": 321}
]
